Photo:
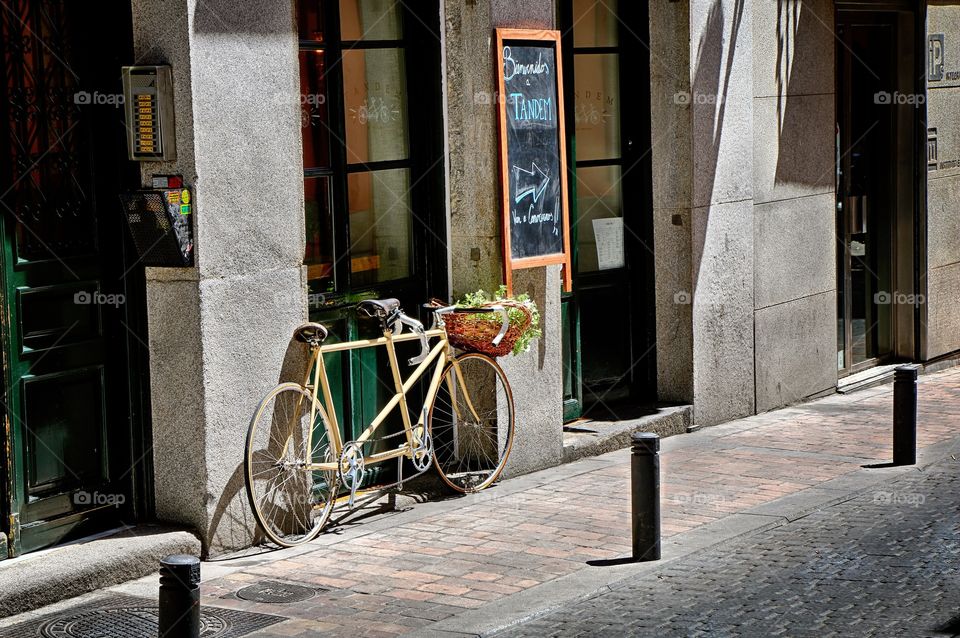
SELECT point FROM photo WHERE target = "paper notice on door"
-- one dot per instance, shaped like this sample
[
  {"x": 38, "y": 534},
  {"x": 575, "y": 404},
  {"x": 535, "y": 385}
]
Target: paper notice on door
[{"x": 609, "y": 236}]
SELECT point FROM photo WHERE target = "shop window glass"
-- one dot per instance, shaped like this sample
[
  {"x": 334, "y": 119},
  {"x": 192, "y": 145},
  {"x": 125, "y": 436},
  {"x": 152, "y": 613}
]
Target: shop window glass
[
  {"x": 356, "y": 151},
  {"x": 595, "y": 23},
  {"x": 374, "y": 100},
  {"x": 318, "y": 208},
  {"x": 597, "y": 105},
  {"x": 380, "y": 233},
  {"x": 310, "y": 21},
  {"x": 314, "y": 109},
  {"x": 598, "y": 199},
  {"x": 370, "y": 20}
]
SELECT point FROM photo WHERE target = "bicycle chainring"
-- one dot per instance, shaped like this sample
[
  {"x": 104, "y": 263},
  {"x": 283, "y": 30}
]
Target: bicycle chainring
[{"x": 422, "y": 455}]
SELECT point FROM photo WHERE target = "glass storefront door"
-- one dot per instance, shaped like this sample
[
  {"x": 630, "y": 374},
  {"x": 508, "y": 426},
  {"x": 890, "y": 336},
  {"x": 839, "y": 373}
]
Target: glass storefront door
[
  {"x": 876, "y": 124},
  {"x": 608, "y": 353}
]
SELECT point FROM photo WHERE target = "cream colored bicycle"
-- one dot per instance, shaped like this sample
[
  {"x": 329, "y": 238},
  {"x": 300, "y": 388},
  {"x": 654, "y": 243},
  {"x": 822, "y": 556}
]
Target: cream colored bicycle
[{"x": 296, "y": 460}]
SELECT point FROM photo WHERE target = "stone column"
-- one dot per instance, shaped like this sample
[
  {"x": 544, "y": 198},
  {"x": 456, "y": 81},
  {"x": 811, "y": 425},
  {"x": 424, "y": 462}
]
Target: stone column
[
  {"x": 722, "y": 217},
  {"x": 672, "y": 148},
  {"x": 475, "y": 249},
  {"x": 940, "y": 279},
  {"x": 220, "y": 331},
  {"x": 702, "y": 108},
  {"x": 794, "y": 197}
]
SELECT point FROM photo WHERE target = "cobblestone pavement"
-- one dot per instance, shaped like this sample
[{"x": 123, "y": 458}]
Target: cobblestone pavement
[
  {"x": 882, "y": 564},
  {"x": 482, "y": 548}
]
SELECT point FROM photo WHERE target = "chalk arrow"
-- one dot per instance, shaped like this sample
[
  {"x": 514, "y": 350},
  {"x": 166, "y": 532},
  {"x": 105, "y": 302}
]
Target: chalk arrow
[{"x": 535, "y": 190}]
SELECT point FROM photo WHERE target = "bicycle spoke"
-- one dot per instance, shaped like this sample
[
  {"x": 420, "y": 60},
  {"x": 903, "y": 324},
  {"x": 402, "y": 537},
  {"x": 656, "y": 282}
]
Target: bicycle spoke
[{"x": 471, "y": 423}]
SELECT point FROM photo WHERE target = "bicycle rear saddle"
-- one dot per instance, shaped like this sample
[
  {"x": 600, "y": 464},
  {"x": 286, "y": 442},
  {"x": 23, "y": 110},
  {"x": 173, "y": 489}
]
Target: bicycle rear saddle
[{"x": 311, "y": 333}]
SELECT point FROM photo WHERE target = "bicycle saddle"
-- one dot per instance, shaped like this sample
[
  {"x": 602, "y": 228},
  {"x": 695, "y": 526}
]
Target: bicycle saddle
[
  {"x": 379, "y": 308},
  {"x": 311, "y": 333}
]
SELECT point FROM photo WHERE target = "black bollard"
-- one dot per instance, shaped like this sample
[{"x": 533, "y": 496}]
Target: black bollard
[
  {"x": 905, "y": 415},
  {"x": 645, "y": 495},
  {"x": 179, "y": 597}
]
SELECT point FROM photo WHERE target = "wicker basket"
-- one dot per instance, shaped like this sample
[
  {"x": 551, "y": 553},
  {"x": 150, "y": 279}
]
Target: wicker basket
[{"x": 474, "y": 332}]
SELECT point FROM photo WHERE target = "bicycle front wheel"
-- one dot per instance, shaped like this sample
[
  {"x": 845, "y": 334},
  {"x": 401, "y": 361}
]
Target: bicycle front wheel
[
  {"x": 290, "y": 502},
  {"x": 471, "y": 422}
]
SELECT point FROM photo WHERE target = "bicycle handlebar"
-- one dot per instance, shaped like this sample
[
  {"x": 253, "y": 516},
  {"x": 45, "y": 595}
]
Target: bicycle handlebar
[{"x": 417, "y": 327}]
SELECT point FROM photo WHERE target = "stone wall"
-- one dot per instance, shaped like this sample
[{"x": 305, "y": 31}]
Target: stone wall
[
  {"x": 721, "y": 88},
  {"x": 794, "y": 213},
  {"x": 742, "y": 109},
  {"x": 702, "y": 118},
  {"x": 671, "y": 123},
  {"x": 941, "y": 326}
]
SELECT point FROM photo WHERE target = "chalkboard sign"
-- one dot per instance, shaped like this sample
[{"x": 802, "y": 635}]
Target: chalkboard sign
[{"x": 533, "y": 171}]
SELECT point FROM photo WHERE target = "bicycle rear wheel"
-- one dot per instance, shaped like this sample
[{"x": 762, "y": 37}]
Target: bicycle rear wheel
[
  {"x": 471, "y": 422},
  {"x": 290, "y": 502}
]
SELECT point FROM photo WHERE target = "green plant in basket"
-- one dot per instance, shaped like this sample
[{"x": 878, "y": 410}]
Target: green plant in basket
[{"x": 516, "y": 315}]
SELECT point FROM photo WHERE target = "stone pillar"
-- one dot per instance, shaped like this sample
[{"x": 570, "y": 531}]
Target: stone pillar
[
  {"x": 940, "y": 278},
  {"x": 702, "y": 109},
  {"x": 672, "y": 148},
  {"x": 475, "y": 250},
  {"x": 219, "y": 332},
  {"x": 721, "y": 74},
  {"x": 795, "y": 239}
]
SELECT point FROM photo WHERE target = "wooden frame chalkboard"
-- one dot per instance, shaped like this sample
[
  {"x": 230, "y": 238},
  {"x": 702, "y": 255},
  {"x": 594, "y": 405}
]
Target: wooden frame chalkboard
[{"x": 533, "y": 156}]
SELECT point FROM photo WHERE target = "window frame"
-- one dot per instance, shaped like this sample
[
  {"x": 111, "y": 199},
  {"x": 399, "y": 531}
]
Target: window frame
[{"x": 340, "y": 168}]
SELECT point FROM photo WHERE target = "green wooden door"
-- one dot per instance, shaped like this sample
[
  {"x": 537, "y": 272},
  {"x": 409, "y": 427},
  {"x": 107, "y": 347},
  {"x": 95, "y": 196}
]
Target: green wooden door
[
  {"x": 66, "y": 396},
  {"x": 609, "y": 338}
]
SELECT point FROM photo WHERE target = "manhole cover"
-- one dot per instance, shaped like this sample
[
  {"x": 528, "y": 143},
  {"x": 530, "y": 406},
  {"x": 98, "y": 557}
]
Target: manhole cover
[
  {"x": 271, "y": 591},
  {"x": 131, "y": 617}
]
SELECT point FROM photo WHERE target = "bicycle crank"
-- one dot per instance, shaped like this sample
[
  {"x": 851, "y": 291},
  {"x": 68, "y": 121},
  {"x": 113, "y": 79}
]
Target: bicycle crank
[{"x": 351, "y": 468}]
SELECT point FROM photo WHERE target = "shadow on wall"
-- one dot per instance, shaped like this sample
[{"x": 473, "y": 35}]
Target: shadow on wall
[
  {"x": 799, "y": 47},
  {"x": 232, "y": 525},
  {"x": 245, "y": 17},
  {"x": 710, "y": 92}
]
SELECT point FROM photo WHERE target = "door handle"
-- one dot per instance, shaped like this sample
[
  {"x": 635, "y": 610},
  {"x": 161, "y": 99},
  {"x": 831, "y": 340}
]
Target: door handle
[{"x": 857, "y": 211}]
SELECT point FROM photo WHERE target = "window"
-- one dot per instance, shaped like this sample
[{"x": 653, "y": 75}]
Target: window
[
  {"x": 356, "y": 144},
  {"x": 596, "y": 72}
]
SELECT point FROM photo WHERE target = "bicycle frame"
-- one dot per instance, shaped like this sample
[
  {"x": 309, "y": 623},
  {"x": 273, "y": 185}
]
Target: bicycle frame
[{"x": 439, "y": 355}]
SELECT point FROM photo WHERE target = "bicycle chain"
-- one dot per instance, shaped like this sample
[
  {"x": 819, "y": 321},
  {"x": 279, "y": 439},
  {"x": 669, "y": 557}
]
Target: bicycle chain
[{"x": 382, "y": 488}]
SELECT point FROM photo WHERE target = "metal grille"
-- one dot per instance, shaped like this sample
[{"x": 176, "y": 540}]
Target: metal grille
[
  {"x": 131, "y": 617},
  {"x": 162, "y": 237},
  {"x": 45, "y": 174}
]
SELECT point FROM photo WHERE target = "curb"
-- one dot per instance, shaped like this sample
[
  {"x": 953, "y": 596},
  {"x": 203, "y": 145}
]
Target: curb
[
  {"x": 593, "y": 438},
  {"x": 37, "y": 580}
]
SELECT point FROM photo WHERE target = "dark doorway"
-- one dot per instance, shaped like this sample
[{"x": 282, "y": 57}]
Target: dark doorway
[
  {"x": 879, "y": 106},
  {"x": 73, "y": 341},
  {"x": 608, "y": 319}
]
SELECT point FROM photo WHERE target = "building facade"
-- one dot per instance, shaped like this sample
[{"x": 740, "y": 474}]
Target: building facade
[{"x": 783, "y": 177}]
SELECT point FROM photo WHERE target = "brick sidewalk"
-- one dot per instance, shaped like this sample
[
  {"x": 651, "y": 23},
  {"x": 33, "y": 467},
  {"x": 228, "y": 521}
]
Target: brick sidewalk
[{"x": 470, "y": 552}]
